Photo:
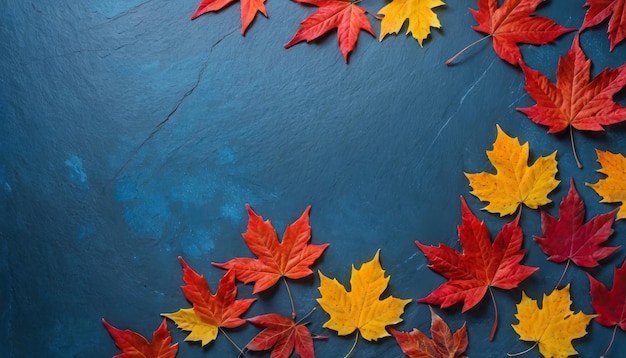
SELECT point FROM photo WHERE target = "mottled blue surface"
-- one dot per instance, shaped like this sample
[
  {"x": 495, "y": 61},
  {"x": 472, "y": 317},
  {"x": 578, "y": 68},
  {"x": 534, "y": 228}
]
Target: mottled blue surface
[{"x": 130, "y": 136}]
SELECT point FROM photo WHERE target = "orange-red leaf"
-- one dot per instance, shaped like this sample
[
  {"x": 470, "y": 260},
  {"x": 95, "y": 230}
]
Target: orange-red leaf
[
  {"x": 249, "y": 9},
  {"x": 210, "y": 311},
  {"x": 568, "y": 238},
  {"x": 481, "y": 265},
  {"x": 599, "y": 10},
  {"x": 282, "y": 335},
  {"x": 512, "y": 23},
  {"x": 344, "y": 15},
  {"x": 134, "y": 345},
  {"x": 290, "y": 258},
  {"x": 576, "y": 100},
  {"x": 443, "y": 344}
]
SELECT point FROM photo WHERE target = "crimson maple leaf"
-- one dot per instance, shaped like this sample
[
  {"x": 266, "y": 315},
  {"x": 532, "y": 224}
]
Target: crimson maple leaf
[
  {"x": 134, "y": 345},
  {"x": 443, "y": 344},
  {"x": 610, "y": 305},
  {"x": 599, "y": 10},
  {"x": 290, "y": 258},
  {"x": 480, "y": 266},
  {"x": 344, "y": 15},
  {"x": 576, "y": 101},
  {"x": 249, "y": 8},
  {"x": 209, "y": 312},
  {"x": 569, "y": 239},
  {"x": 511, "y": 24},
  {"x": 283, "y": 335}
]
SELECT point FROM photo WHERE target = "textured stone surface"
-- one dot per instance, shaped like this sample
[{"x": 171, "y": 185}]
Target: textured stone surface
[{"x": 130, "y": 135}]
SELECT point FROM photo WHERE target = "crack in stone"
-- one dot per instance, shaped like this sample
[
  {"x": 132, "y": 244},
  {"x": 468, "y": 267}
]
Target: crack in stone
[{"x": 167, "y": 118}]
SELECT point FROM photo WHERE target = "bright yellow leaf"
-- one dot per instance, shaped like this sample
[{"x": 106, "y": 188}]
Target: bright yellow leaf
[
  {"x": 361, "y": 308},
  {"x": 612, "y": 189},
  {"x": 515, "y": 182},
  {"x": 552, "y": 327},
  {"x": 418, "y": 13},
  {"x": 187, "y": 320}
]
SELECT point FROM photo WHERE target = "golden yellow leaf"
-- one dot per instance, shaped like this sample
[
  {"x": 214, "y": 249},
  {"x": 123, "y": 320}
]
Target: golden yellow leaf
[
  {"x": 187, "y": 320},
  {"x": 515, "y": 182},
  {"x": 361, "y": 308},
  {"x": 553, "y": 326},
  {"x": 612, "y": 189},
  {"x": 418, "y": 13}
]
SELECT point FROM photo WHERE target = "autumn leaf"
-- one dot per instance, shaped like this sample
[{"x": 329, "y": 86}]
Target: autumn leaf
[
  {"x": 568, "y": 239},
  {"x": 514, "y": 183},
  {"x": 513, "y": 23},
  {"x": 443, "y": 344},
  {"x": 344, "y": 15},
  {"x": 610, "y": 305},
  {"x": 600, "y": 10},
  {"x": 249, "y": 9},
  {"x": 553, "y": 326},
  {"x": 480, "y": 266},
  {"x": 361, "y": 309},
  {"x": 290, "y": 258},
  {"x": 134, "y": 345},
  {"x": 576, "y": 101},
  {"x": 418, "y": 13},
  {"x": 612, "y": 189},
  {"x": 283, "y": 335},
  {"x": 210, "y": 312}
]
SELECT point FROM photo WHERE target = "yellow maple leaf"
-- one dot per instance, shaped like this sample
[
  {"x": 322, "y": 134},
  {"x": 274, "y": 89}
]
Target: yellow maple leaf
[
  {"x": 515, "y": 182},
  {"x": 552, "y": 327},
  {"x": 612, "y": 189},
  {"x": 418, "y": 13},
  {"x": 187, "y": 320},
  {"x": 361, "y": 308}
]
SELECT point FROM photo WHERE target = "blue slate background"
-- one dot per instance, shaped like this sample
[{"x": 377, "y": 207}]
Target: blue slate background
[{"x": 130, "y": 135}]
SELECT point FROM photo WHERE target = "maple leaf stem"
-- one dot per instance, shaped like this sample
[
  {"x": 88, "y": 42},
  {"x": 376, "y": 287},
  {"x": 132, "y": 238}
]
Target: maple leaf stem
[
  {"x": 451, "y": 59},
  {"x": 571, "y": 136},
  {"x": 241, "y": 352},
  {"x": 306, "y": 315},
  {"x": 356, "y": 339},
  {"x": 610, "y": 343},
  {"x": 523, "y": 352},
  {"x": 495, "y": 320},
  {"x": 293, "y": 307},
  {"x": 562, "y": 275}
]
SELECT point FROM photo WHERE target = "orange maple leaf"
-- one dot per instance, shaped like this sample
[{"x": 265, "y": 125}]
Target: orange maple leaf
[
  {"x": 600, "y": 10},
  {"x": 291, "y": 258},
  {"x": 209, "y": 312},
  {"x": 134, "y": 345},
  {"x": 283, "y": 335},
  {"x": 612, "y": 189}
]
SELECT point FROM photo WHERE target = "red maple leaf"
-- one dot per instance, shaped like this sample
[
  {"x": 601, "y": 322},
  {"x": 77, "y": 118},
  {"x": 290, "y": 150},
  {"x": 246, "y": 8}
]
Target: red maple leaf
[
  {"x": 480, "y": 266},
  {"x": 249, "y": 8},
  {"x": 610, "y": 305},
  {"x": 599, "y": 10},
  {"x": 134, "y": 345},
  {"x": 576, "y": 101},
  {"x": 569, "y": 239},
  {"x": 443, "y": 344},
  {"x": 512, "y": 23},
  {"x": 283, "y": 335},
  {"x": 290, "y": 258},
  {"x": 348, "y": 18}
]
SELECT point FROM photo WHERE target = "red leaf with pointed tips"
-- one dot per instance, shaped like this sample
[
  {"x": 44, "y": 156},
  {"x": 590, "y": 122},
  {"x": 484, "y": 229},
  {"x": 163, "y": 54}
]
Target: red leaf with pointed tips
[
  {"x": 568, "y": 238},
  {"x": 282, "y": 335},
  {"x": 599, "y": 10},
  {"x": 348, "y": 18},
  {"x": 443, "y": 344},
  {"x": 512, "y": 23},
  {"x": 480, "y": 266},
  {"x": 134, "y": 345},
  {"x": 291, "y": 258},
  {"x": 249, "y": 8}
]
